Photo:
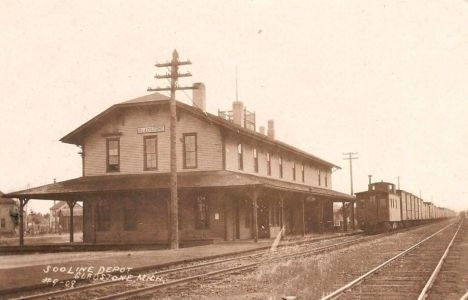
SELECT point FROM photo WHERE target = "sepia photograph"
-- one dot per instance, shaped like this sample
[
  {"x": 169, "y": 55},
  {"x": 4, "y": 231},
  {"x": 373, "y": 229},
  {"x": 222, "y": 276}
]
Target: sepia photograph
[{"x": 245, "y": 149}]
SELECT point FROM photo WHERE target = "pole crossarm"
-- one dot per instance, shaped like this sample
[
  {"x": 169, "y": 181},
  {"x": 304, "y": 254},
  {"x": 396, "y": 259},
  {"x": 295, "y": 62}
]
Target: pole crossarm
[
  {"x": 158, "y": 89},
  {"x": 171, "y": 75},
  {"x": 170, "y": 64}
]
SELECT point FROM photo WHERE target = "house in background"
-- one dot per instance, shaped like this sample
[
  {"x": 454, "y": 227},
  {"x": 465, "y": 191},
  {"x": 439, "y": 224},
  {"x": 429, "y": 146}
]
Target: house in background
[
  {"x": 8, "y": 213},
  {"x": 60, "y": 216}
]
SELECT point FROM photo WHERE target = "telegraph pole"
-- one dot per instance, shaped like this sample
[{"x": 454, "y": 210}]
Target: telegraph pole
[
  {"x": 350, "y": 158},
  {"x": 173, "y": 226}
]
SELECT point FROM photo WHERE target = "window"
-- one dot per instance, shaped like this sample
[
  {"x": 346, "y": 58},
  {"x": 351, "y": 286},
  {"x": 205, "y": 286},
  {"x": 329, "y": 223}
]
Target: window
[
  {"x": 130, "y": 216},
  {"x": 202, "y": 213},
  {"x": 280, "y": 166},
  {"x": 113, "y": 155},
  {"x": 319, "y": 177},
  {"x": 150, "y": 144},
  {"x": 103, "y": 216},
  {"x": 3, "y": 223},
  {"x": 268, "y": 158},
  {"x": 294, "y": 170},
  {"x": 303, "y": 172},
  {"x": 190, "y": 150},
  {"x": 240, "y": 157},
  {"x": 326, "y": 179},
  {"x": 255, "y": 157}
]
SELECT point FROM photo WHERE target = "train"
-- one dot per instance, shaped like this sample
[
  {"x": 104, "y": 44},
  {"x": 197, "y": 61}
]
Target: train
[{"x": 383, "y": 208}]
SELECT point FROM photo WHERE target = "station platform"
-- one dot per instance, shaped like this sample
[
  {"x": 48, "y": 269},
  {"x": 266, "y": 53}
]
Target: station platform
[{"x": 22, "y": 271}]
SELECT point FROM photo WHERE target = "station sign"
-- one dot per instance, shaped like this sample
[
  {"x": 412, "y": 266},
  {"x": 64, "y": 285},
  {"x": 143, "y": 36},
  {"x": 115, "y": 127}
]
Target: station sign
[{"x": 151, "y": 129}]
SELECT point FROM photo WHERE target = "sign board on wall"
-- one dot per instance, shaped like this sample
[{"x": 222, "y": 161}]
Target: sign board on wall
[{"x": 151, "y": 129}]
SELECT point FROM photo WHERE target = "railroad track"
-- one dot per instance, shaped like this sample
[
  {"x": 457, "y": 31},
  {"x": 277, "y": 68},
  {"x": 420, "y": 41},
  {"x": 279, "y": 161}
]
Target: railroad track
[
  {"x": 206, "y": 271},
  {"x": 451, "y": 281},
  {"x": 407, "y": 275},
  {"x": 170, "y": 275},
  {"x": 214, "y": 274}
]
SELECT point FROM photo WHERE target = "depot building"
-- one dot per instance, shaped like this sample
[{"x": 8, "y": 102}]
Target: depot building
[{"x": 234, "y": 182}]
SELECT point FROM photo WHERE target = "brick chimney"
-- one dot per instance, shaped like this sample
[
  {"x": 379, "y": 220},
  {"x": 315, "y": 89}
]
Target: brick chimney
[
  {"x": 262, "y": 129},
  {"x": 199, "y": 97},
  {"x": 271, "y": 129},
  {"x": 238, "y": 113}
]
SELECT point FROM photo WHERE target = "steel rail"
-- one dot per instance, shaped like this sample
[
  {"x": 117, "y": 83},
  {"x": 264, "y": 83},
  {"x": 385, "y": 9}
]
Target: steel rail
[
  {"x": 146, "y": 290},
  {"x": 353, "y": 283},
  {"x": 284, "y": 248},
  {"x": 436, "y": 271}
]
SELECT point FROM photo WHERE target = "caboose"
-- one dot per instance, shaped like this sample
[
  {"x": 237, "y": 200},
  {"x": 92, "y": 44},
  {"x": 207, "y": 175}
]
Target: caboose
[
  {"x": 382, "y": 208},
  {"x": 379, "y": 208}
]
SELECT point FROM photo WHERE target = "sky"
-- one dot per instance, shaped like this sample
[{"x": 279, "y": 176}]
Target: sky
[{"x": 385, "y": 79}]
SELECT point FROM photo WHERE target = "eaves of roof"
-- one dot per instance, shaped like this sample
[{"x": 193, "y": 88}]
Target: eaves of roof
[
  {"x": 79, "y": 188},
  {"x": 75, "y": 137}
]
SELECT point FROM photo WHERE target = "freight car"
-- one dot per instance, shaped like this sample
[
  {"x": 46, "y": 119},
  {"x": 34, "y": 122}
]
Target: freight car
[{"x": 382, "y": 208}]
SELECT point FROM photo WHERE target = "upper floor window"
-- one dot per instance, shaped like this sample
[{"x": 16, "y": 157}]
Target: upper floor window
[
  {"x": 268, "y": 158},
  {"x": 255, "y": 157},
  {"x": 326, "y": 179},
  {"x": 151, "y": 152},
  {"x": 113, "y": 155},
  {"x": 294, "y": 170},
  {"x": 319, "y": 177},
  {"x": 240, "y": 157},
  {"x": 190, "y": 150},
  {"x": 302, "y": 172},
  {"x": 280, "y": 166},
  {"x": 202, "y": 213}
]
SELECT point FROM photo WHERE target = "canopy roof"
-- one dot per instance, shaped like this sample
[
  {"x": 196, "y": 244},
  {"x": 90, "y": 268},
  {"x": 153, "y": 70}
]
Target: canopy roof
[{"x": 88, "y": 185}]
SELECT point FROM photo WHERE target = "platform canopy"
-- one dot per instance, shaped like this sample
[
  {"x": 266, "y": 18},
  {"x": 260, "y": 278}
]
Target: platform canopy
[{"x": 90, "y": 185}]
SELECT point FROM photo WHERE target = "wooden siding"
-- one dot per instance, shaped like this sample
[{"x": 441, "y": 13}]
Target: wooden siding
[
  {"x": 209, "y": 143},
  {"x": 5, "y": 214},
  {"x": 310, "y": 169},
  {"x": 394, "y": 211},
  {"x": 151, "y": 217}
]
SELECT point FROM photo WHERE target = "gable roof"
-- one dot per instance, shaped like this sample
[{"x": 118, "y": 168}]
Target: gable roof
[{"x": 77, "y": 135}]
